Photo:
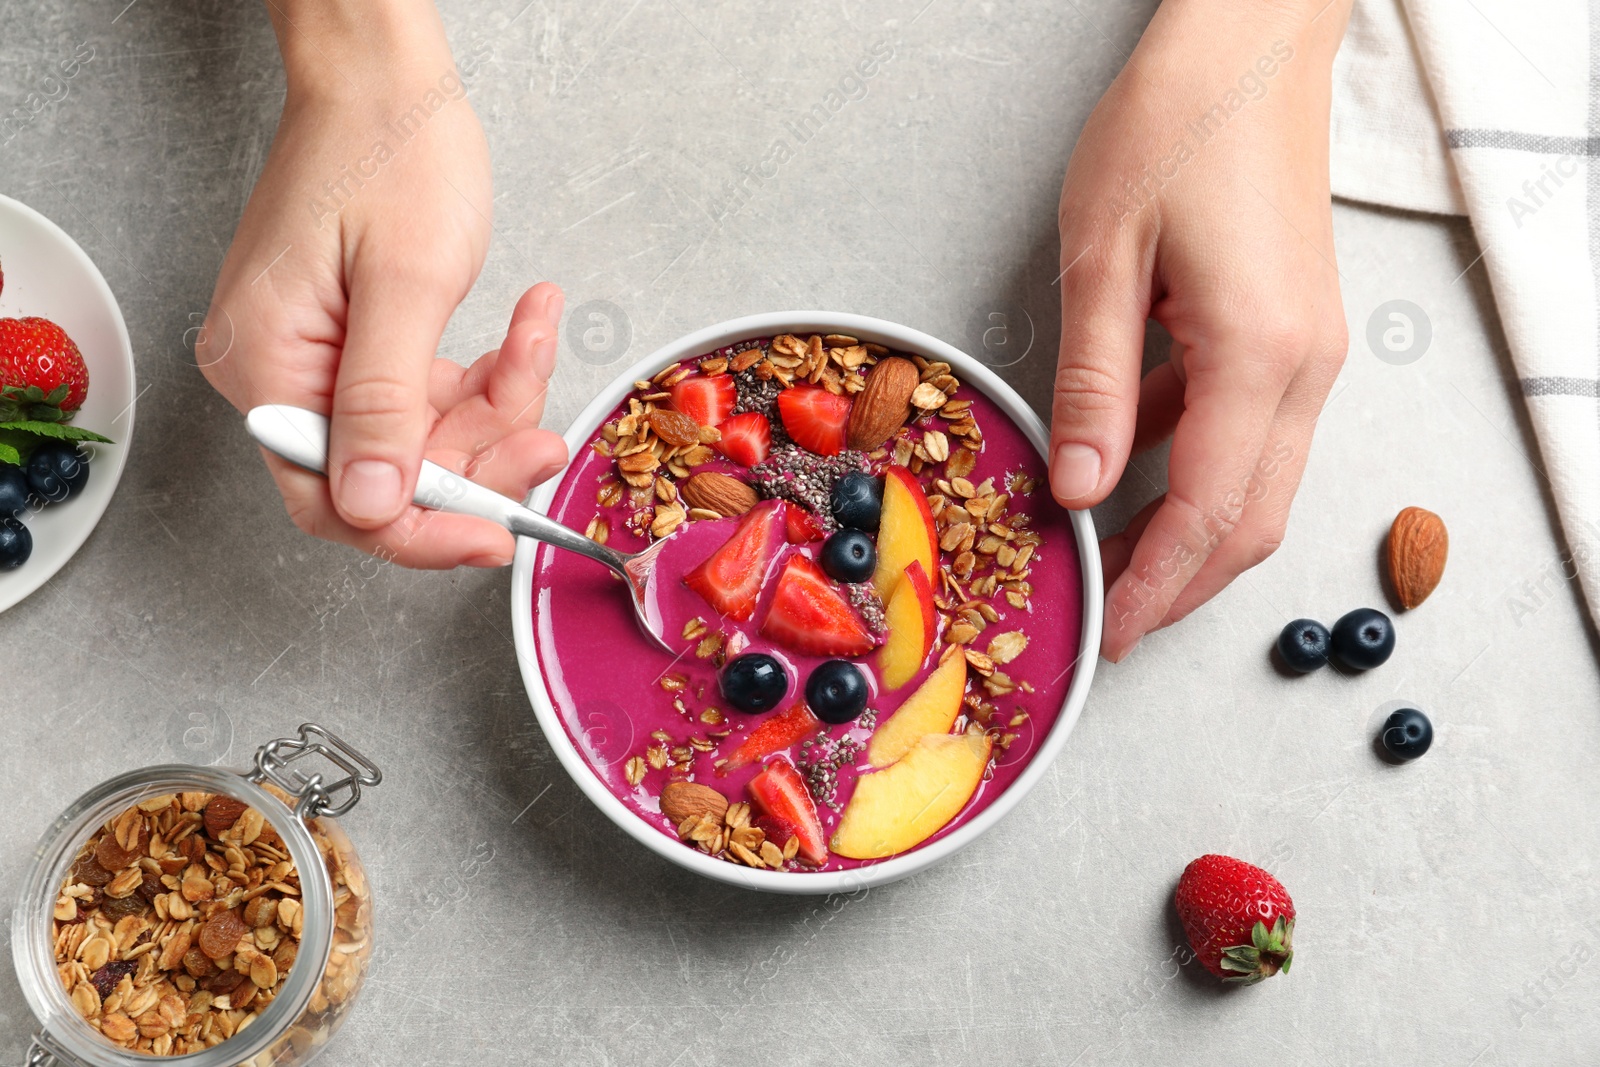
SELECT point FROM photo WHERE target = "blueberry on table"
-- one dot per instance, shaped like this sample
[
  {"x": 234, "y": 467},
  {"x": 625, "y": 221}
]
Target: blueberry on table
[
  {"x": 857, "y": 500},
  {"x": 1303, "y": 645},
  {"x": 754, "y": 681},
  {"x": 1363, "y": 639},
  {"x": 1407, "y": 733},
  {"x": 850, "y": 556},
  {"x": 13, "y": 491},
  {"x": 16, "y": 544},
  {"x": 57, "y": 471},
  {"x": 837, "y": 691}
]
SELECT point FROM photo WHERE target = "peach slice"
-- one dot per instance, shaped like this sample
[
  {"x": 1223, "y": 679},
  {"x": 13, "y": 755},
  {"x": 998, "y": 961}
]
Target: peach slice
[
  {"x": 932, "y": 709},
  {"x": 902, "y": 806},
  {"x": 906, "y": 532},
  {"x": 913, "y": 623}
]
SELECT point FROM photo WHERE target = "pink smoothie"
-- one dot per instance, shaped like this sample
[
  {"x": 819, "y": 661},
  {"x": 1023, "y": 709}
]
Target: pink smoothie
[{"x": 606, "y": 679}]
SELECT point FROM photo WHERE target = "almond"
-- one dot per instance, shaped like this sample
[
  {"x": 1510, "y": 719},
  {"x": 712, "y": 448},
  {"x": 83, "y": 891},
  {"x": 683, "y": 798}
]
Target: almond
[
  {"x": 722, "y": 493},
  {"x": 1418, "y": 545},
  {"x": 221, "y": 813},
  {"x": 681, "y": 801},
  {"x": 883, "y": 405}
]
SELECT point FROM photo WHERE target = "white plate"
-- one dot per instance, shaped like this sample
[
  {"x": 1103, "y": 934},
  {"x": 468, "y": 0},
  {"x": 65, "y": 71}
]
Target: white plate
[
  {"x": 854, "y": 879},
  {"x": 48, "y": 275}
]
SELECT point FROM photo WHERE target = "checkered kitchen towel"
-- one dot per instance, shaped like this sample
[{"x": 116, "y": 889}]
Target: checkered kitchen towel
[{"x": 1491, "y": 108}]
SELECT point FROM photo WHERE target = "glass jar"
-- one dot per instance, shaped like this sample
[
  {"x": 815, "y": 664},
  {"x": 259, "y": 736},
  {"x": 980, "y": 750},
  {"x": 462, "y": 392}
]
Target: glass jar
[{"x": 334, "y": 916}]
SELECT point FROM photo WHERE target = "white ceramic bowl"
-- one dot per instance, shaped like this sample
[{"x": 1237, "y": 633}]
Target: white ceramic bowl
[
  {"x": 48, "y": 275},
  {"x": 583, "y": 430}
]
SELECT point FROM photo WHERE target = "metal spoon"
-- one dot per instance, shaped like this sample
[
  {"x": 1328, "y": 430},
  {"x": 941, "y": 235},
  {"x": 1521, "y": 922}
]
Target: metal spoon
[{"x": 301, "y": 437}]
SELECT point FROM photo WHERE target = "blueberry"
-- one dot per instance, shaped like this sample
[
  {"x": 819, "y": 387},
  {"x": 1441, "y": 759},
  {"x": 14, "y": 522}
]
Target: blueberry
[
  {"x": 1407, "y": 733},
  {"x": 837, "y": 691},
  {"x": 856, "y": 500},
  {"x": 13, "y": 491},
  {"x": 1363, "y": 639},
  {"x": 850, "y": 556},
  {"x": 1303, "y": 644},
  {"x": 57, "y": 471},
  {"x": 754, "y": 681},
  {"x": 16, "y": 544}
]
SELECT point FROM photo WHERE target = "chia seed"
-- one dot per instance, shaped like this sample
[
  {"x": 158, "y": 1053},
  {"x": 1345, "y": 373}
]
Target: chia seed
[
  {"x": 864, "y": 598},
  {"x": 791, "y": 473},
  {"x": 821, "y": 769},
  {"x": 757, "y": 394}
]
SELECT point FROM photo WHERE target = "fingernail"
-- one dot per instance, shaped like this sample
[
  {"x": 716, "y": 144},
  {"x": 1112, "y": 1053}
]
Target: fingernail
[
  {"x": 1076, "y": 471},
  {"x": 370, "y": 490},
  {"x": 489, "y": 559},
  {"x": 1129, "y": 650},
  {"x": 553, "y": 307}
]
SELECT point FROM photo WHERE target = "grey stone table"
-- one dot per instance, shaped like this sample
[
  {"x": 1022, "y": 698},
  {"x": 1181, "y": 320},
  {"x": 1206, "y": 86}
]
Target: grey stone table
[{"x": 1448, "y": 908}]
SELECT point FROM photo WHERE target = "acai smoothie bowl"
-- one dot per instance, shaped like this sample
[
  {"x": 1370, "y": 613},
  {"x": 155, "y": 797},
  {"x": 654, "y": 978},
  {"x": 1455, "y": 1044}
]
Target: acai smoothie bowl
[{"x": 881, "y": 627}]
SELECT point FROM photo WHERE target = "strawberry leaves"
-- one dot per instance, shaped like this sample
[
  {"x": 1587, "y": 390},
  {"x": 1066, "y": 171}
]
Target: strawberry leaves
[
  {"x": 28, "y": 415},
  {"x": 1269, "y": 952},
  {"x": 29, "y": 403}
]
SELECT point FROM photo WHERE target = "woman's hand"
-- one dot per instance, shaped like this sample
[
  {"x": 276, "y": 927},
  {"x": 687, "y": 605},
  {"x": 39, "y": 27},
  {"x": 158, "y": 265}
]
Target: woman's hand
[
  {"x": 367, "y": 228},
  {"x": 1197, "y": 195}
]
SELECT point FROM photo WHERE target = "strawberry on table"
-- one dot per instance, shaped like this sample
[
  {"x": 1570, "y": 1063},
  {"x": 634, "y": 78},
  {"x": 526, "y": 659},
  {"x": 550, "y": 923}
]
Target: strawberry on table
[
  {"x": 706, "y": 398},
  {"x": 810, "y": 615},
  {"x": 778, "y": 732},
  {"x": 746, "y": 439},
  {"x": 730, "y": 579},
  {"x": 779, "y": 793},
  {"x": 1238, "y": 918},
  {"x": 815, "y": 418},
  {"x": 41, "y": 371}
]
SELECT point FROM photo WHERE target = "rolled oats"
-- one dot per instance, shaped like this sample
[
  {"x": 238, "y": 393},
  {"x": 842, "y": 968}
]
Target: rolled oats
[{"x": 928, "y": 397}]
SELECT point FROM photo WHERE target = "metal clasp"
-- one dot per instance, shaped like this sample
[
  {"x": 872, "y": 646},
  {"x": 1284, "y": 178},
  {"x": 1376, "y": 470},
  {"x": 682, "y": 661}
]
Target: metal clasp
[
  {"x": 313, "y": 797},
  {"x": 42, "y": 1052}
]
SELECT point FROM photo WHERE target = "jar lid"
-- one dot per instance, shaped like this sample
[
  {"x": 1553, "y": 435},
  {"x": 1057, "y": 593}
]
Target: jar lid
[{"x": 278, "y": 770}]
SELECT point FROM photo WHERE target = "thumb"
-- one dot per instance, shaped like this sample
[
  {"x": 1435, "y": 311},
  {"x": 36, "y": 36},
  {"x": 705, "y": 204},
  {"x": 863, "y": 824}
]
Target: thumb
[
  {"x": 1103, "y": 309},
  {"x": 381, "y": 415}
]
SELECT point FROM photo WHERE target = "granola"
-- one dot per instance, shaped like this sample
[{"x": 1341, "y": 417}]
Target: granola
[{"x": 181, "y": 918}]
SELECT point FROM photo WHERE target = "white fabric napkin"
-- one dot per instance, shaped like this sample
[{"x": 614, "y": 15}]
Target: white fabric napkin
[{"x": 1491, "y": 108}]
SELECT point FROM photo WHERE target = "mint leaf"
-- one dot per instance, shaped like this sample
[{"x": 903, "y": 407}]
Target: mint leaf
[
  {"x": 10, "y": 455},
  {"x": 57, "y": 430}
]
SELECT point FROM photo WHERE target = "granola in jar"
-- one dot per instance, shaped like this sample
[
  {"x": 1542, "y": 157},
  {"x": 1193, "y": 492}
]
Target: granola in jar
[{"x": 181, "y": 918}]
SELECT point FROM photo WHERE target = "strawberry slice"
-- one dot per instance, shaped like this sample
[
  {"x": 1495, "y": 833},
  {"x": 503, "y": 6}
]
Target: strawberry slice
[
  {"x": 776, "y": 827},
  {"x": 815, "y": 418},
  {"x": 779, "y": 792},
  {"x": 800, "y": 526},
  {"x": 783, "y": 730},
  {"x": 808, "y": 614},
  {"x": 730, "y": 579},
  {"x": 746, "y": 438},
  {"x": 708, "y": 399}
]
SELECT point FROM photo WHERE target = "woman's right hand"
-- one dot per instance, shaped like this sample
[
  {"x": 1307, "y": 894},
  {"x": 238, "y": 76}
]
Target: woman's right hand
[{"x": 367, "y": 228}]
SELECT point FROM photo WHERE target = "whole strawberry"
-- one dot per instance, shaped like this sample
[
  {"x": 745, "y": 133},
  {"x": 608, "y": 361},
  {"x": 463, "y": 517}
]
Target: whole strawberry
[
  {"x": 42, "y": 375},
  {"x": 1238, "y": 918}
]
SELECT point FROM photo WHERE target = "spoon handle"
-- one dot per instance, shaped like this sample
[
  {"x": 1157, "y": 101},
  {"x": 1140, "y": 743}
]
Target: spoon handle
[{"x": 301, "y": 437}]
